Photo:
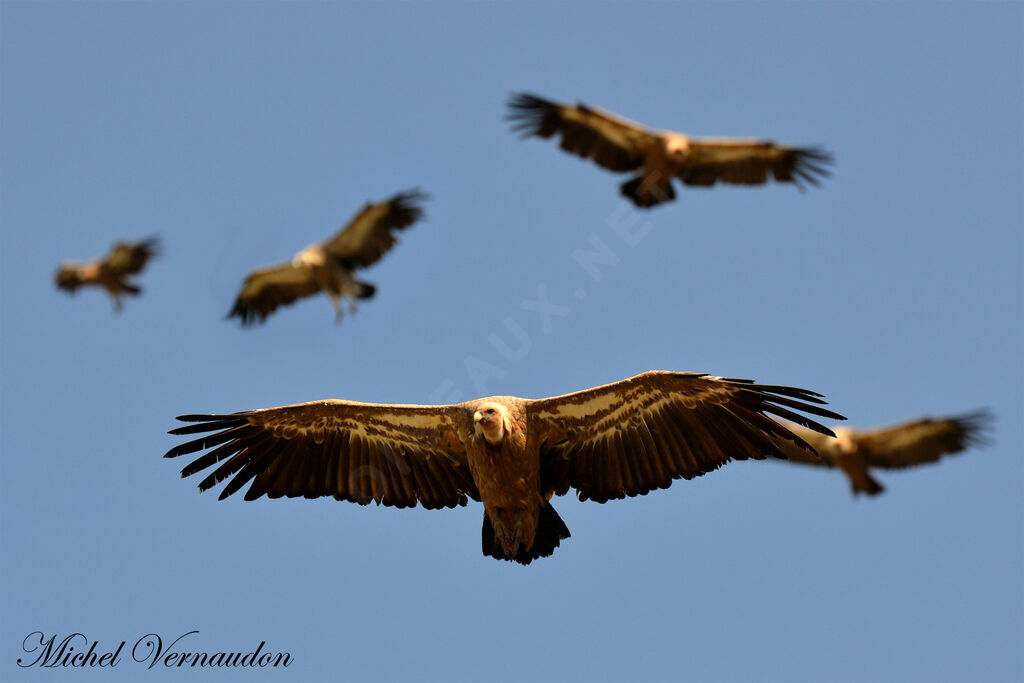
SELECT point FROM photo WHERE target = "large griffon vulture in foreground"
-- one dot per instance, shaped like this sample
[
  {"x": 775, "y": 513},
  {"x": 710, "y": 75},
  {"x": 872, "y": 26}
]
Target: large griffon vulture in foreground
[
  {"x": 329, "y": 266},
  {"x": 111, "y": 273},
  {"x": 909, "y": 444},
  {"x": 512, "y": 454},
  {"x": 621, "y": 145}
]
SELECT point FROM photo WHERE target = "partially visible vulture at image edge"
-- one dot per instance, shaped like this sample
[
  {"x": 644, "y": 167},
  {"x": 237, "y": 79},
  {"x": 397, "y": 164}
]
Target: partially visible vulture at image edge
[
  {"x": 111, "y": 273},
  {"x": 513, "y": 455},
  {"x": 329, "y": 266},
  {"x": 857, "y": 451},
  {"x": 623, "y": 146}
]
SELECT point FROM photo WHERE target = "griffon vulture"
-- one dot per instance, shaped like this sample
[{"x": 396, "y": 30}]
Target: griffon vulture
[
  {"x": 621, "y": 145},
  {"x": 112, "y": 272},
  {"x": 511, "y": 454},
  {"x": 909, "y": 444},
  {"x": 329, "y": 266}
]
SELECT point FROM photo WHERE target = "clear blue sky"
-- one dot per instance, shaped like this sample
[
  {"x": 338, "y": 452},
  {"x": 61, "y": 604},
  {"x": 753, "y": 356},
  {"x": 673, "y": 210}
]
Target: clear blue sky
[{"x": 241, "y": 132}]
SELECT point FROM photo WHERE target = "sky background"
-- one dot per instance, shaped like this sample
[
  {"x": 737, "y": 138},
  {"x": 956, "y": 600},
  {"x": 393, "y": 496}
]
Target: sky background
[{"x": 241, "y": 132}]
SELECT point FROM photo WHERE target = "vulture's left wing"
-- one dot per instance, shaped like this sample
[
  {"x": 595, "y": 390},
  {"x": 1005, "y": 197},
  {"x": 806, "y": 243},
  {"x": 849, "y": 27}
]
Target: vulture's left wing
[
  {"x": 129, "y": 258},
  {"x": 371, "y": 234},
  {"x": 923, "y": 441},
  {"x": 751, "y": 162},
  {"x": 629, "y": 437}
]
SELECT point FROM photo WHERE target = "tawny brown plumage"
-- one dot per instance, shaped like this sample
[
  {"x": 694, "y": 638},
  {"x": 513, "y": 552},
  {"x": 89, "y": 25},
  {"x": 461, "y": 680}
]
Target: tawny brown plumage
[
  {"x": 112, "y": 273},
  {"x": 328, "y": 266},
  {"x": 512, "y": 454},
  {"x": 856, "y": 452},
  {"x": 621, "y": 145}
]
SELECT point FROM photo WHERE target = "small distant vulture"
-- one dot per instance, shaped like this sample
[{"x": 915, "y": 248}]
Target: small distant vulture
[
  {"x": 621, "y": 145},
  {"x": 511, "y": 454},
  {"x": 111, "y": 273},
  {"x": 909, "y": 444},
  {"x": 329, "y": 266}
]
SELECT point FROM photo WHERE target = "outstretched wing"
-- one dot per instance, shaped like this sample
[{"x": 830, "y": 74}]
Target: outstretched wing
[
  {"x": 923, "y": 441},
  {"x": 752, "y": 162},
  {"x": 268, "y": 288},
  {"x": 371, "y": 234},
  {"x": 360, "y": 452},
  {"x": 611, "y": 142},
  {"x": 129, "y": 258},
  {"x": 630, "y": 437}
]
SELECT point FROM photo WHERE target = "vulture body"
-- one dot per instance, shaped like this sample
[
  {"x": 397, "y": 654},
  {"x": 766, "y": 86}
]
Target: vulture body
[
  {"x": 511, "y": 454},
  {"x": 625, "y": 146},
  {"x": 112, "y": 273},
  {"x": 857, "y": 451},
  {"x": 330, "y": 266}
]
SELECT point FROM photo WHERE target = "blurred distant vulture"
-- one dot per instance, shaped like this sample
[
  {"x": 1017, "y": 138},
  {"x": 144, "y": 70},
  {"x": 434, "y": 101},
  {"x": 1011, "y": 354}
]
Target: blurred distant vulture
[
  {"x": 910, "y": 444},
  {"x": 621, "y": 145},
  {"x": 111, "y": 273},
  {"x": 329, "y": 266},
  {"x": 512, "y": 454}
]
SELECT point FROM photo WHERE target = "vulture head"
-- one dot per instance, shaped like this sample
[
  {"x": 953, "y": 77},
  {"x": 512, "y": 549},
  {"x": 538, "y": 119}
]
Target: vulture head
[
  {"x": 490, "y": 420},
  {"x": 846, "y": 441},
  {"x": 67, "y": 278},
  {"x": 677, "y": 147}
]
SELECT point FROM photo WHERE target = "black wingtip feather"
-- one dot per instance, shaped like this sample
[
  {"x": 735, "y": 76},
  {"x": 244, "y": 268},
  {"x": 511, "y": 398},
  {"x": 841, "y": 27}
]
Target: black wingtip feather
[
  {"x": 531, "y": 115},
  {"x": 200, "y": 444},
  {"x": 792, "y": 392},
  {"x": 405, "y": 208},
  {"x": 151, "y": 246},
  {"x": 410, "y": 200},
  {"x": 804, "y": 406},
  {"x": 205, "y": 427},
  {"x": 809, "y": 166},
  {"x": 414, "y": 195},
  {"x": 208, "y": 417},
  {"x": 798, "y": 419},
  {"x": 977, "y": 427}
]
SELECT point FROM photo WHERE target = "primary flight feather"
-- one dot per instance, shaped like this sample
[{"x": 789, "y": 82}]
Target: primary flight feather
[
  {"x": 511, "y": 454},
  {"x": 621, "y": 145},
  {"x": 329, "y": 266}
]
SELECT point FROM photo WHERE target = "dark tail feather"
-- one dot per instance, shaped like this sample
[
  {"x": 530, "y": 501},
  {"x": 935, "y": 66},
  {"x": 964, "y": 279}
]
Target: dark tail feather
[
  {"x": 550, "y": 532},
  {"x": 366, "y": 290},
  {"x": 645, "y": 192},
  {"x": 128, "y": 288},
  {"x": 869, "y": 485}
]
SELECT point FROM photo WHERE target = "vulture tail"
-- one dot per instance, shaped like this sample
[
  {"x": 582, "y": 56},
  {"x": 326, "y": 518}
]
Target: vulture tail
[
  {"x": 550, "y": 532},
  {"x": 366, "y": 290},
  {"x": 646, "y": 192},
  {"x": 866, "y": 484}
]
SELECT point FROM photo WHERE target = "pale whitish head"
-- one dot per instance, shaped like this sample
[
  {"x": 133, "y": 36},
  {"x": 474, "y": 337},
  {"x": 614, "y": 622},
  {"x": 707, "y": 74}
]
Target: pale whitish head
[
  {"x": 490, "y": 420},
  {"x": 677, "y": 146},
  {"x": 311, "y": 256},
  {"x": 845, "y": 441}
]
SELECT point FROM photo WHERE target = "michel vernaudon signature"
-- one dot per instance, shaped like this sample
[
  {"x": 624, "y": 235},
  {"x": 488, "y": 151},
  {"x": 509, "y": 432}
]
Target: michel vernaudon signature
[{"x": 75, "y": 650}]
